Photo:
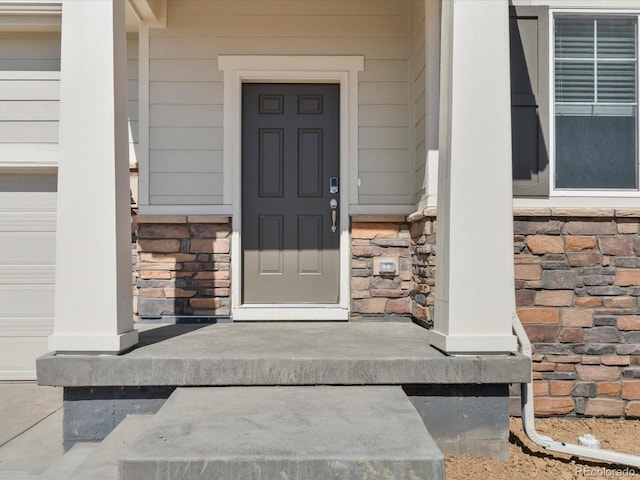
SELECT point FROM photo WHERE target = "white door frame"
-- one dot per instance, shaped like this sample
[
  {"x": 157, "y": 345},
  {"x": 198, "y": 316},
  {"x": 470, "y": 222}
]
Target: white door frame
[{"x": 342, "y": 70}]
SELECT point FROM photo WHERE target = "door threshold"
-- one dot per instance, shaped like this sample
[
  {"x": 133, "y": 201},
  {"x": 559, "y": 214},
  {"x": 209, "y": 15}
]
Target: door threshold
[{"x": 289, "y": 312}]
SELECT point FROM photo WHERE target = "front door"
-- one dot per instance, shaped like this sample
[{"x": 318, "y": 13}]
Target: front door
[{"x": 290, "y": 193}]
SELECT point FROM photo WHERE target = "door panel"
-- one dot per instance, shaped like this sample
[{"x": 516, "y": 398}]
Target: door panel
[{"x": 290, "y": 151}]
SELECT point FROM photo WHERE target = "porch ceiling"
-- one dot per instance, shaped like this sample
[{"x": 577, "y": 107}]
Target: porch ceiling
[{"x": 394, "y": 353}]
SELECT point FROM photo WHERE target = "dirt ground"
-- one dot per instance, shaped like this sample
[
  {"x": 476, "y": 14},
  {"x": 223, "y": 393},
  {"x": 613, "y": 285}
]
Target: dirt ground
[{"x": 527, "y": 460}]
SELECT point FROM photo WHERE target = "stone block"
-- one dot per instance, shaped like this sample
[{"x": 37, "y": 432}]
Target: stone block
[
  {"x": 631, "y": 337},
  {"x": 205, "y": 303},
  {"x": 540, "y": 388},
  {"x": 604, "y": 320},
  {"x": 628, "y": 228},
  {"x": 601, "y": 335},
  {"x": 543, "y": 367},
  {"x": 366, "y": 251},
  {"x": 210, "y": 245},
  {"x": 159, "y": 246},
  {"x": 360, "y": 283},
  {"x": 590, "y": 360},
  {"x": 373, "y": 230},
  {"x": 627, "y": 277},
  {"x": 628, "y": 322},
  {"x": 576, "y": 317},
  {"x": 632, "y": 410},
  {"x": 526, "y": 227},
  {"x": 589, "y": 227},
  {"x": 599, "y": 349},
  {"x": 162, "y": 231},
  {"x": 542, "y": 333},
  {"x": 525, "y": 298},
  {"x": 626, "y": 262},
  {"x": 554, "y": 298},
  {"x": 595, "y": 280},
  {"x": 578, "y": 243},
  {"x": 584, "y": 259},
  {"x": 617, "y": 245},
  {"x": 620, "y": 360},
  {"x": 212, "y": 275},
  {"x": 178, "y": 293},
  {"x": 560, "y": 387},
  {"x": 554, "y": 262},
  {"x": 399, "y": 306},
  {"x": 597, "y": 372},
  {"x": 631, "y": 372},
  {"x": 546, "y": 406},
  {"x": 605, "y": 290},
  {"x": 571, "y": 335},
  {"x": 154, "y": 307},
  {"x": 585, "y": 389},
  {"x": 587, "y": 302},
  {"x": 621, "y": 302},
  {"x": 604, "y": 407},
  {"x": 209, "y": 230},
  {"x": 153, "y": 275},
  {"x": 151, "y": 293},
  {"x": 541, "y": 244},
  {"x": 208, "y": 219},
  {"x": 369, "y": 305},
  {"x": 631, "y": 390},
  {"x": 538, "y": 315},
  {"x": 527, "y": 272},
  {"x": 160, "y": 219},
  {"x": 558, "y": 280},
  {"x": 608, "y": 389},
  {"x": 630, "y": 349}
]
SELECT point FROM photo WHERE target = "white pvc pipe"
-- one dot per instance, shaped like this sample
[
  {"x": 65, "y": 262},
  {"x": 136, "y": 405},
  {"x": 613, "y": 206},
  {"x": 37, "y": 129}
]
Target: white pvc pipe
[{"x": 528, "y": 418}]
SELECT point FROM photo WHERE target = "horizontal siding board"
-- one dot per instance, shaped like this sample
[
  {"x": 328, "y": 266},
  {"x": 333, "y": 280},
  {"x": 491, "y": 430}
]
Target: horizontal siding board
[
  {"x": 383, "y": 115},
  {"x": 29, "y": 132},
  {"x": 378, "y": 199},
  {"x": 23, "y": 111},
  {"x": 132, "y": 110},
  {"x": 286, "y": 26},
  {"x": 186, "y": 93},
  {"x": 420, "y": 134},
  {"x": 383, "y": 93},
  {"x": 187, "y": 161},
  {"x": 206, "y": 47},
  {"x": 186, "y": 183},
  {"x": 29, "y": 90},
  {"x": 29, "y": 46},
  {"x": 28, "y": 154},
  {"x": 384, "y": 71},
  {"x": 39, "y": 65},
  {"x": 383, "y": 137},
  {"x": 185, "y": 200},
  {"x": 383, "y": 160},
  {"x": 286, "y": 7},
  {"x": 186, "y": 115},
  {"x": 185, "y": 70},
  {"x": 171, "y": 138}
]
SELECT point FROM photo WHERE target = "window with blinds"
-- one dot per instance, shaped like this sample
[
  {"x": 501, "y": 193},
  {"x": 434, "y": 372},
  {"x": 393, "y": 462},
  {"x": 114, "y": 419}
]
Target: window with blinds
[{"x": 595, "y": 102}]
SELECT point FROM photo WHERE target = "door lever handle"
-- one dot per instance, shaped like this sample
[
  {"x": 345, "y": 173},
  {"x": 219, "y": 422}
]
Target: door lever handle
[{"x": 334, "y": 213}]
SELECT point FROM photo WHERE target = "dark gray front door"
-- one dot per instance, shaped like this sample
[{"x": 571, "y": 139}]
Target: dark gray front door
[{"x": 290, "y": 154}]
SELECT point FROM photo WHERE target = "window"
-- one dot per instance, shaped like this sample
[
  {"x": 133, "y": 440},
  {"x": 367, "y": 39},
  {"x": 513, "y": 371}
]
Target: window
[{"x": 595, "y": 103}]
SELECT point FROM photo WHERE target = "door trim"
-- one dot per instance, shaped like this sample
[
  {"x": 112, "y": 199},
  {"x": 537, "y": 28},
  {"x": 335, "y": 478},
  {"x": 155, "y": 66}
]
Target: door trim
[{"x": 342, "y": 70}]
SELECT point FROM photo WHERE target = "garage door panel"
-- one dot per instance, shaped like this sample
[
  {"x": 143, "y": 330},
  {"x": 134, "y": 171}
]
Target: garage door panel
[
  {"x": 18, "y": 354},
  {"x": 26, "y": 301},
  {"x": 27, "y": 249}
]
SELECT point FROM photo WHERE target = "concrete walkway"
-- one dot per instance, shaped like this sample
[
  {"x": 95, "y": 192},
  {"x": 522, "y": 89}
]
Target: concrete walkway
[{"x": 30, "y": 428}]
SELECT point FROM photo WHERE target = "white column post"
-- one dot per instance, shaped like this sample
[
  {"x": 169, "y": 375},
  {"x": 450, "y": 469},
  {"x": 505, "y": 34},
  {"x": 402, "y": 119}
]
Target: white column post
[
  {"x": 93, "y": 301},
  {"x": 475, "y": 296}
]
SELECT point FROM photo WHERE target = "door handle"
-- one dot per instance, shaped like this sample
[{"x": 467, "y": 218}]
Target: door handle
[{"x": 334, "y": 213}]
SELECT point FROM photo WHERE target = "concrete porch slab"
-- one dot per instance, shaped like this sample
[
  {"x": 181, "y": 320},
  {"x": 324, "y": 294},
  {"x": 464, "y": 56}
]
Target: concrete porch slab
[
  {"x": 305, "y": 433},
  {"x": 394, "y": 353}
]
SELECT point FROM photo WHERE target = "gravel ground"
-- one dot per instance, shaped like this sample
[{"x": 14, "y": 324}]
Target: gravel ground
[{"x": 527, "y": 460}]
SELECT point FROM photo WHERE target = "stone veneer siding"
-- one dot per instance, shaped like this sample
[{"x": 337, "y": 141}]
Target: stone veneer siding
[
  {"x": 577, "y": 286},
  {"x": 374, "y": 294},
  {"x": 183, "y": 266}
]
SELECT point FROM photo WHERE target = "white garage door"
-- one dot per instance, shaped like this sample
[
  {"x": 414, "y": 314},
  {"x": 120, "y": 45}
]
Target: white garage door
[{"x": 27, "y": 254}]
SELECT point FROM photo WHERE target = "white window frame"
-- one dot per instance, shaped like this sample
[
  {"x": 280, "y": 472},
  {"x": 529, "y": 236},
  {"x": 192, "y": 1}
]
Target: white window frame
[{"x": 605, "y": 193}]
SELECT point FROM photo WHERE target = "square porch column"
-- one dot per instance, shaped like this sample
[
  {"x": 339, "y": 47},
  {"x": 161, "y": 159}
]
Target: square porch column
[
  {"x": 93, "y": 299},
  {"x": 475, "y": 297}
]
